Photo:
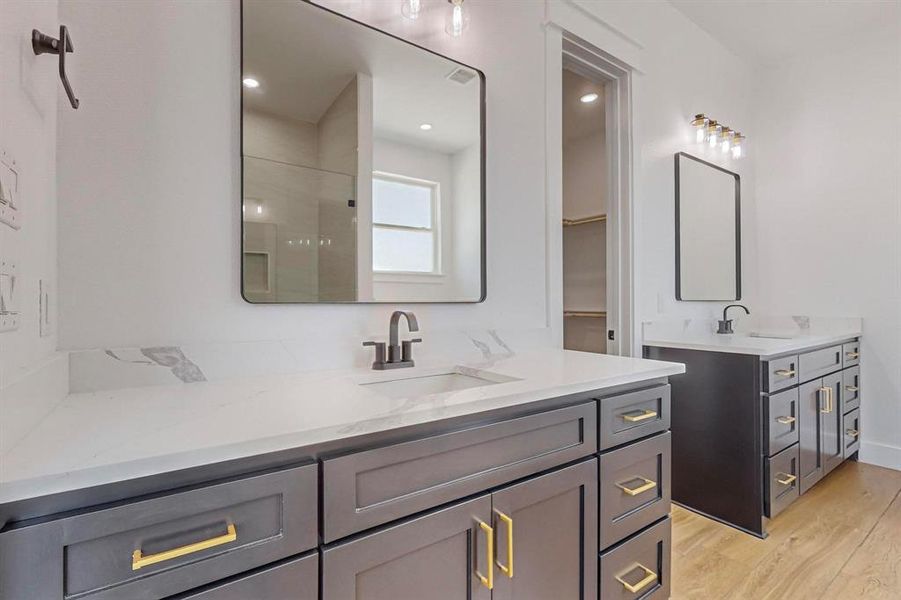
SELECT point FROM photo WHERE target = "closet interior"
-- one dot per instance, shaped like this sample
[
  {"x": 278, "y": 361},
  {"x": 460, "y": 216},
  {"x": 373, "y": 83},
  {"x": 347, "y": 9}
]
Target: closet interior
[{"x": 584, "y": 215}]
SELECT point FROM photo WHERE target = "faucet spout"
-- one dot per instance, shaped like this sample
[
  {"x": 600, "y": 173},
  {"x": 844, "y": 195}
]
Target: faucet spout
[
  {"x": 412, "y": 325},
  {"x": 725, "y": 326}
]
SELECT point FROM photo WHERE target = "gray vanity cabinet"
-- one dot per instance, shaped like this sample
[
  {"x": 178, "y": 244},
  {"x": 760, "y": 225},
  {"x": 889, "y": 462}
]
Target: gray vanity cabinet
[{"x": 821, "y": 448}]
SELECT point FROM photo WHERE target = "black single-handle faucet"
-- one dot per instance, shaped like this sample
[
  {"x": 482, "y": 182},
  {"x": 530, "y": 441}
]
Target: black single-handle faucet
[
  {"x": 400, "y": 354},
  {"x": 725, "y": 326}
]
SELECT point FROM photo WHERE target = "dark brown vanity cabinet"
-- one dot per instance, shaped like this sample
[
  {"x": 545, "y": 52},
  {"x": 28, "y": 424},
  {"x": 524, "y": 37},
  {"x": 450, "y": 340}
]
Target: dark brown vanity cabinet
[{"x": 751, "y": 433}]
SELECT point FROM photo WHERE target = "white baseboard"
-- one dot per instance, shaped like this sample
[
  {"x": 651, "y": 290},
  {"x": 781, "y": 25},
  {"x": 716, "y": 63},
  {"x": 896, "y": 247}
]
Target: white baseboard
[{"x": 881, "y": 455}]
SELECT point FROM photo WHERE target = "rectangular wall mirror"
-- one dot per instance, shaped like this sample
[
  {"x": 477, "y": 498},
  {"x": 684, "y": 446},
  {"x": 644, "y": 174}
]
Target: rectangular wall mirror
[
  {"x": 363, "y": 163},
  {"x": 708, "y": 231}
]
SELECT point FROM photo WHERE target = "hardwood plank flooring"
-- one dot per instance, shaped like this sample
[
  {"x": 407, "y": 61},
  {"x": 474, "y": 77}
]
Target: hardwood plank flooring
[{"x": 839, "y": 541}]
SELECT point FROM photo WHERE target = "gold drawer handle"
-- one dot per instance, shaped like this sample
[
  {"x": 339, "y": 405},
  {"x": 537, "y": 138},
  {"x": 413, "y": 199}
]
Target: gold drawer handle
[
  {"x": 786, "y": 420},
  {"x": 488, "y": 581},
  {"x": 785, "y": 478},
  {"x": 138, "y": 560},
  {"x": 508, "y": 569},
  {"x": 645, "y": 415},
  {"x": 827, "y": 400},
  {"x": 852, "y": 432},
  {"x": 647, "y": 485},
  {"x": 649, "y": 578},
  {"x": 786, "y": 372},
  {"x": 851, "y": 388},
  {"x": 852, "y": 354}
]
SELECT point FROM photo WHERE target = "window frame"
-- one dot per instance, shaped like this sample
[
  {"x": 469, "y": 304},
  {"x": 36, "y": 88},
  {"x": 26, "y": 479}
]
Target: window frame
[{"x": 434, "y": 228}]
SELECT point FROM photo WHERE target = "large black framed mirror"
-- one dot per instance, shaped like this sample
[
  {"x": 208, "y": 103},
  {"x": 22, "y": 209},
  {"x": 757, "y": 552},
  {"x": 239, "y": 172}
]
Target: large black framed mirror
[
  {"x": 363, "y": 163},
  {"x": 708, "y": 231}
]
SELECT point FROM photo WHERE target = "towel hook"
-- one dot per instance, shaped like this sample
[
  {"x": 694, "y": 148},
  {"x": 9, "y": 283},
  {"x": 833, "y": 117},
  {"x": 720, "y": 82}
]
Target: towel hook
[{"x": 42, "y": 43}]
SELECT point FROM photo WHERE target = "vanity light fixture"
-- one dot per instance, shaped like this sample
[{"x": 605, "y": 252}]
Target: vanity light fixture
[
  {"x": 589, "y": 98},
  {"x": 714, "y": 130},
  {"x": 727, "y": 136},
  {"x": 737, "y": 145},
  {"x": 457, "y": 19},
  {"x": 411, "y": 9},
  {"x": 250, "y": 83},
  {"x": 700, "y": 123},
  {"x": 425, "y": 126}
]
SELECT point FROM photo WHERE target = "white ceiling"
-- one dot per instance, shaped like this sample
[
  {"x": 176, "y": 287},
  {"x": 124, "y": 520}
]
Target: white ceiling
[
  {"x": 304, "y": 56},
  {"x": 766, "y": 31}
]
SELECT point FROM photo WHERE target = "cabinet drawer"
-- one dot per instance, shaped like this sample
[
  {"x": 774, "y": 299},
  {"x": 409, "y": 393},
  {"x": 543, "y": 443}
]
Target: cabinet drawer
[
  {"x": 635, "y": 415},
  {"x": 820, "y": 362},
  {"x": 782, "y": 420},
  {"x": 851, "y": 433},
  {"x": 850, "y": 389},
  {"x": 782, "y": 480},
  {"x": 851, "y": 354},
  {"x": 781, "y": 373},
  {"x": 376, "y": 486},
  {"x": 635, "y": 487},
  {"x": 166, "y": 545},
  {"x": 297, "y": 579},
  {"x": 639, "y": 567}
]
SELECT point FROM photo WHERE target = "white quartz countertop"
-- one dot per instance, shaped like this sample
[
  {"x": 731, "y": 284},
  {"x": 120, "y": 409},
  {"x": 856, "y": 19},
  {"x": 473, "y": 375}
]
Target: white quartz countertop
[
  {"x": 103, "y": 437},
  {"x": 739, "y": 343}
]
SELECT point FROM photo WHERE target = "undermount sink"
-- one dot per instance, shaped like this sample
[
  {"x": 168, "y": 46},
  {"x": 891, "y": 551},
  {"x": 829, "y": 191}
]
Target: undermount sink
[
  {"x": 426, "y": 385},
  {"x": 772, "y": 335}
]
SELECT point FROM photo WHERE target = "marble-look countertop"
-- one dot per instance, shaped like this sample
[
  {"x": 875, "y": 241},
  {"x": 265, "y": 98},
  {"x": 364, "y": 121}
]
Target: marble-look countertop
[
  {"x": 789, "y": 335},
  {"x": 102, "y": 437}
]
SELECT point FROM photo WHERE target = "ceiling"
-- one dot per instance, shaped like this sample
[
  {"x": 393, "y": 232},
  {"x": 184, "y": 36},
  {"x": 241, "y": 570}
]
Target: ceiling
[
  {"x": 304, "y": 56},
  {"x": 764, "y": 31},
  {"x": 580, "y": 118}
]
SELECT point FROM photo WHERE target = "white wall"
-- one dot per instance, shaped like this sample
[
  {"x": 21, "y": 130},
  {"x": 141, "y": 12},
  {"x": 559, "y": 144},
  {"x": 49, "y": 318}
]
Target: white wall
[{"x": 828, "y": 150}]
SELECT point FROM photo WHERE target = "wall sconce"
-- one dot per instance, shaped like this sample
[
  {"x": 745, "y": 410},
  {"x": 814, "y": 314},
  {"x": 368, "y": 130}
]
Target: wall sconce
[
  {"x": 457, "y": 19},
  {"x": 716, "y": 134}
]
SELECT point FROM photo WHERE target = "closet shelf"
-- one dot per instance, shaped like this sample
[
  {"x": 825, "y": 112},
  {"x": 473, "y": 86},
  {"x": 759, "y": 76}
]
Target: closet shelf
[
  {"x": 583, "y": 220},
  {"x": 590, "y": 314}
]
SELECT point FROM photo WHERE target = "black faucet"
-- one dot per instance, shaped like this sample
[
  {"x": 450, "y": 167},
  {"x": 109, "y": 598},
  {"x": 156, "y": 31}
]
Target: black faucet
[
  {"x": 725, "y": 326},
  {"x": 399, "y": 355}
]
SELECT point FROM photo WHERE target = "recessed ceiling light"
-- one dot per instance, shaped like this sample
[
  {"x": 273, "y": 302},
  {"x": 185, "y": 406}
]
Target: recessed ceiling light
[
  {"x": 425, "y": 126},
  {"x": 587, "y": 98},
  {"x": 250, "y": 82}
]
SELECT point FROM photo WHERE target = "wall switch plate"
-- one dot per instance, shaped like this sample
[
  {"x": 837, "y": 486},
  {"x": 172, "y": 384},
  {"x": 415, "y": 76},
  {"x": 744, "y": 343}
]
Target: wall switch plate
[
  {"x": 10, "y": 203},
  {"x": 45, "y": 312}
]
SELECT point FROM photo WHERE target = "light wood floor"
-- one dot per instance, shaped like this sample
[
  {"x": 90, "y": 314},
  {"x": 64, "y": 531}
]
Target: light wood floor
[{"x": 839, "y": 541}]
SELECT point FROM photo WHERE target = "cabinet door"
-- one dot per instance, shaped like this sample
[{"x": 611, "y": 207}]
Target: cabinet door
[
  {"x": 546, "y": 532},
  {"x": 810, "y": 434},
  {"x": 833, "y": 451},
  {"x": 438, "y": 556}
]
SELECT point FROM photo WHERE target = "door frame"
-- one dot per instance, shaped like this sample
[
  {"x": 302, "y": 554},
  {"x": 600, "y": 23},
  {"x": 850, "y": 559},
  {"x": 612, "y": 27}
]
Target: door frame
[{"x": 564, "y": 49}]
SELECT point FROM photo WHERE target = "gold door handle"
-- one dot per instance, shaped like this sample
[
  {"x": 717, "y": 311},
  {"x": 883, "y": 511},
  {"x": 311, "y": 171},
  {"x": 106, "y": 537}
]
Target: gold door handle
[
  {"x": 508, "y": 569},
  {"x": 786, "y": 420},
  {"x": 649, "y": 578},
  {"x": 647, "y": 485},
  {"x": 643, "y": 416},
  {"x": 827, "y": 400},
  {"x": 138, "y": 559},
  {"x": 852, "y": 432},
  {"x": 785, "y": 372},
  {"x": 785, "y": 478},
  {"x": 851, "y": 388},
  {"x": 852, "y": 354},
  {"x": 488, "y": 580}
]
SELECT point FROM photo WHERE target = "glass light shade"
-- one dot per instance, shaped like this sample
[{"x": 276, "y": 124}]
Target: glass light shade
[
  {"x": 411, "y": 8},
  {"x": 457, "y": 19},
  {"x": 713, "y": 134},
  {"x": 700, "y": 123},
  {"x": 738, "y": 149},
  {"x": 727, "y": 141}
]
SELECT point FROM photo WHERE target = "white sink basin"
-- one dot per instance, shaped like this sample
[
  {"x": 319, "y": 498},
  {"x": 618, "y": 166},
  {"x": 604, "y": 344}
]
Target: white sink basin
[
  {"x": 426, "y": 385},
  {"x": 772, "y": 335}
]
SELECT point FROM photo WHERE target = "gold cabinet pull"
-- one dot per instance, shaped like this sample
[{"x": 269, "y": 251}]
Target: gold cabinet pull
[
  {"x": 786, "y": 478},
  {"x": 852, "y": 432},
  {"x": 852, "y": 354},
  {"x": 649, "y": 578},
  {"x": 508, "y": 568},
  {"x": 851, "y": 388},
  {"x": 785, "y": 372},
  {"x": 488, "y": 580},
  {"x": 786, "y": 420},
  {"x": 827, "y": 400},
  {"x": 645, "y": 415},
  {"x": 647, "y": 485},
  {"x": 138, "y": 559}
]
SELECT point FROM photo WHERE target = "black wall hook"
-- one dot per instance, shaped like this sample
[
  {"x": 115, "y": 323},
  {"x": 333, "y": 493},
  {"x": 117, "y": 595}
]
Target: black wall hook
[{"x": 44, "y": 44}]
